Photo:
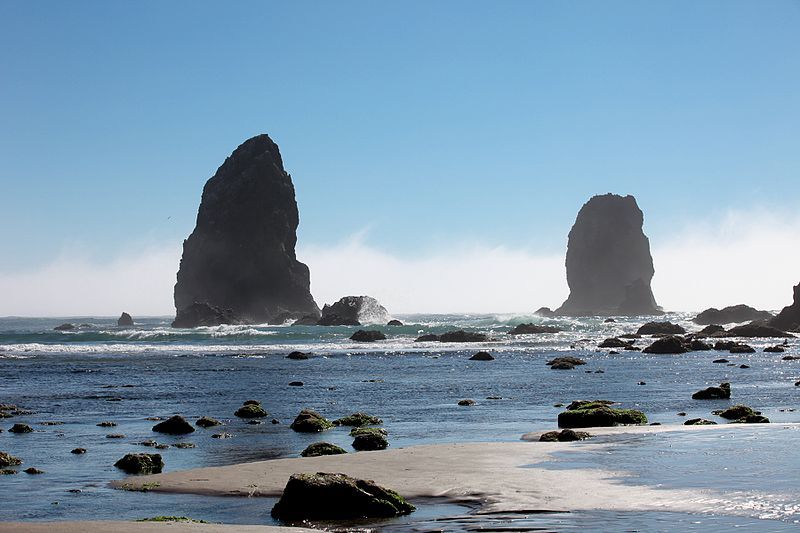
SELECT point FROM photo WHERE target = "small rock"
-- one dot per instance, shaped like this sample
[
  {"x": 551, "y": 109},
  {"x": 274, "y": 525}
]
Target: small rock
[
  {"x": 369, "y": 441},
  {"x": 222, "y": 436},
  {"x": 185, "y": 445},
  {"x": 176, "y": 425},
  {"x": 297, "y": 355},
  {"x": 699, "y": 422},
  {"x": 125, "y": 320},
  {"x": 466, "y": 402},
  {"x": 722, "y": 392},
  {"x": 78, "y": 451},
  {"x": 482, "y": 356},
  {"x": 566, "y": 435},
  {"x": 720, "y": 361},
  {"x": 394, "y": 323},
  {"x": 251, "y": 410},
  {"x": 20, "y": 428},
  {"x": 358, "y": 419},
  {"x": 207, "y": 422},
  {"x": 7, "y": 459},
  {"x": 115, "y": 436},
  {"x": 295, "y": 383},
  {"x": 106, "y": 424}
]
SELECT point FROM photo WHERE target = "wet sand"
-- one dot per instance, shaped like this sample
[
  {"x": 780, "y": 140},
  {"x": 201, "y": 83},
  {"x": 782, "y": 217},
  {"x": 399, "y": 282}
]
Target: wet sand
[{"x": 139, "y": 527}]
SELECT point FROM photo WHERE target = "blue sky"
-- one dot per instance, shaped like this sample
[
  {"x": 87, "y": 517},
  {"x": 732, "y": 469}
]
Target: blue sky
[{"x": 417, "y": 125}]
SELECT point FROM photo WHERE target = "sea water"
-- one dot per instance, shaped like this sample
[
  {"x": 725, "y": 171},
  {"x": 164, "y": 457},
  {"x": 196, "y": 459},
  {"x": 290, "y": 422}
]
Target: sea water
[{"x": 101, "y": 372}]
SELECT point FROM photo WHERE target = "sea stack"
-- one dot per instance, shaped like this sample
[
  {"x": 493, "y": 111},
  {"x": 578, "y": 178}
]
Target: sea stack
[
  {"x": 240, "y": 258},
  {"x": 789, "y": 318},
  {"x": 609, "y": 266}
]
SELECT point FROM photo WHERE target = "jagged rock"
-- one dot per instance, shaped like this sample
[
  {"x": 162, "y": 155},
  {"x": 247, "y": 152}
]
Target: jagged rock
[
  {"x": 324, "y": 496},
  {"x": 65, "y": 327},
  {"x": 204, "y": 314},
  {"x": 789, "y": 317},
  {"x": 20, "y": 428},
  {"x": 141, "y": 463},
  {"x": 207, "y": 422},
  {"x": 251, "y": 409},
  {"x": 609, "y": 267},
  {"x": 699, "y": 422},
  {"x": 358, "y": 419},
  {"x": 736, "y": 412},
  {"x": 598, "y": 414},
  {"x": 354, "y": 311},
  {"x": 482, "y": 356},
  {"x": 322, "y": 448},
  {"x": 545, "y": 312},
  {"x": 394, "y": 322},
  {"x": 527, "y": 329},
  {"x": 367, "y": 336},
  {"x": 175, "y": 425},
  {"x": 6, "y": 459},
  {"x": 309, "y": 421},
  {"x": 722, "y": 392},
  {"x": 428, "y": 337},
  {"x": 667, "y": 345},
  {"x": 713, "y": 329},
  {"x": 661, "y": 328},
  {"x": 565, "y": 363},
  {"x": 565, "y": 435},
  {"x": 241, "y": 254},
  {"x": 125, "y": 320},
  {"x": 732, "y": 313},
  {"x": 755, "y": 330},
  {"x": 297, "y": 355},
  {"x": 463, "y": 336}
]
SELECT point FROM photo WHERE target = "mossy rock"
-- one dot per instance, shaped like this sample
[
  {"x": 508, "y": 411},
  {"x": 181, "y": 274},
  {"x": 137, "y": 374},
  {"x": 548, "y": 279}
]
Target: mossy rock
[
  {"x": 322, "y": 448},
  {"x": 6, "y": 459},
  {"x": 324, "y": 496},
  {"x": 367, "y": 431},
  {"x": 309, "y": 421},
  {"x": 251, "y": 410},
  {"x": 141, "y": 463},
  {"x": 371, "y": 441},
  {"x": 358, "y": 419},
  {"x": 207, "y": 422},
  {"x": 751, "y": 419},
  {"x": 176, "y": 425},
  {"x": 566, "y": 435},
  {"x": 600, "y": 416},
  {"x": 736, "y": 412},
  {"x": 588, "y": 404},
  {"x": 699, "y": 422}
]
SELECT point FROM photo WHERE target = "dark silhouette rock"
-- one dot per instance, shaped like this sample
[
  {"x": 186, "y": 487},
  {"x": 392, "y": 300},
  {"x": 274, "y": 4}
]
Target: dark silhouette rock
[
  {"x": 696, "y": 345},
  {"x": 609, "y": 267},
  {"x": 732, "y": 313},
  {"x": 565, "y": 435},
  {"x": 463, "y": 336},
  {"x": 309, "y": 421},
  {"x": 789, "y": 317},
  {"x": 667, "y": 345},
  {"x": 713, "y": 329},
  {"x": 482, "y": 356},
  {"x": 207, "y": 422},
  {"x": 20, "y": 428},
  {"x": 297, "y": 356},
  {"x": 65, "y": 327},
  {"x": 736, "y": 412},
  {"x": 545, "y": 312},
  {"x": 775, "y": 349},
  {"x": 394, "y": 322},
  {"x": 367, "y": 336},
  {"x": 125, "y": 320},
  {"x": 323, "y": 496},
  {"x": 467, "y": 402},
  {"x": 742, "y": 348},
  {"x": 428, "y": 337},
  {"x": 699, "y": 422},
  {"x": 241, "y": 254},
  {"x": 565, "y": 363},
  {"x": 614, "y": 343},
  {"x": 529, "y": 329},
  {"x": 661, "y": 328},
  {"x": 176, "y": 425},
  {"x": 354, "y": 311},
  {"x": 78, "y": 451},
  {"x": 322, "y": 448},
  {"x": 204, "y": 314},
  {"x": 141, "y": 463},
  {"x": 722, "y": 392},
  {"x": 755, "y": 330}
]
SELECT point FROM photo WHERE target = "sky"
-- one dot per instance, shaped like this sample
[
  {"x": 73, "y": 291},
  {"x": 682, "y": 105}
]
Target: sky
[{"x": 440, "y": 150}]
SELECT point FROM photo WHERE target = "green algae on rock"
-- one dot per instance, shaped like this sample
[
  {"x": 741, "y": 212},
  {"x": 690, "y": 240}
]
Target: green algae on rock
[
  {"x": 322, "y": 448},
  {"x": 141, "y": 463},
  {"x": 309, "y": 421}
]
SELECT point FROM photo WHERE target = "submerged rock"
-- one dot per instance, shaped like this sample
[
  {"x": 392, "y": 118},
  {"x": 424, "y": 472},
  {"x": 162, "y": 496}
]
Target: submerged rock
[
  {"x": 65, "y": 327},
  {"x": 482, "y": 356},
  {"x": 297, "y": 355},
  {"x": 207, "y": 422},
  {"x": 614, "y": 343},
  {"x": 125, "y": 320},
  {"x": 466, "y": 402},
  {"x": 358, "y": 419},
  {"x": 429, "y": 337},
  {"x": 699, "y": 422},
  {"x": 722, "y": 392},
  {"x": 251, "y": 409},
  {"x": 241, "y": 254},
  {"x": 661, "y": 328},
  {"x": 354, "y": 311},
  {"x": 599, "y": 414},
  {"x": 6, "y": 459},
  {"x": 529, "y": 329},
  {"x": 609, "y": 267},
  {"x": 789, "y": 317},
  {"x": 322, "y": 448},
  {"x": 566, "y": 435},
  {"x": 367, "y": 336},
  {"x": 732, "y": 313},
  {"x": 309, "y": 421},
  {"x": 324, "y": 496},
  {"x": 141, "y": 463},
  {"x": 176, "y": 425}
]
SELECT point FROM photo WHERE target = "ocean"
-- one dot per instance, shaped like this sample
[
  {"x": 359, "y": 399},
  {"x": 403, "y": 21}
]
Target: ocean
[{"x": 70, "y": 381}]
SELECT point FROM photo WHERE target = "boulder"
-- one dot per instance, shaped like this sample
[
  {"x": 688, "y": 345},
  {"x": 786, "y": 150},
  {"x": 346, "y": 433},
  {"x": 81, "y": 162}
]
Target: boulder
[
  {"x": 722, "y": 392},
  {"x": 699, "y": 422},
  {"x": 241, "y": 254},
  {"x": 176, "y": 425},
  {"x": 736, "y": 412},
  {"x": 569, "y": 360},
  {"x": 362, "y": 430},
  {"x": 789, "y": 317},
  {"x": 713, "y": 329},
  {"x": 696, "y": 345},
  {"x": 309, "y": 421},
  {"x": 125, "y": 320},
  {"x": 667, "y": 345},
  {"x": 33, "y": 471},
  {"x": 565, "y": 435},
  {"x": 370, "y": 441},
  {"x": 324, "y": 496},
  {"x": 466, "y": 402},
  {"x": 724, "y": 345},
  {"x": 358, "y": 419},
  {"x": 661, "y": 328},
  {"x": 251, "y": 409},
  {"x": 463, "y": 336},
  {"x": 322, "y": 448},
  {"x": 78, "y": 451},
  {"x": 775, "y": 349},
  {"x": 204, "y": 314},
  {"x": 428, "y": 337},
  {"x": 6, "y": 459},
  {"x": 482, "y": 356},
  {"x": 545, "y": 312},
  {"x": 367, "y": 336},
  {"x": 141, "y": 463},
  {"x": 394, "y": 322},
  {"x": 598, "y": 414},
  {"x": 20, "y": 428},
  {"x": 529, "y": 329},
  {"x": 65, "y": 327},
  {"x": 354, "y": 311},
  {"x": 742, "y": 348},
  {"x": 297, "y": 355},
  {"x": 756, "y": 330},
  {"x": 614, "y": 343},
  {"x": 207, "y": 422},
  {"x": 751, "y": 419},
  {"x": 609, "y": 267},
  {"x": 730, "y": 314}
]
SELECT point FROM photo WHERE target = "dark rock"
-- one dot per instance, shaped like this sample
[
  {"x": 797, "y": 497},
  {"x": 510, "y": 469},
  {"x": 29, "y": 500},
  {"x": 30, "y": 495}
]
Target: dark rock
[
  {"x": 724, "y": 345},
  {"x": 251, "y": 410},
  {"x": 528, "y": 329},
  {"x": 297, "y": 355},
  {"x": 614, "y": 343},
  {"x": 609, "y": 321},
  {"x": 682, "y": 413},
  {"x": 367, "y": 336},
  {"x": 324, "y": 496},
  {"x": 732, "y": 313},
  {"x": 696, "y": 345},
  {"x": 241, "y": 254},
  {"x": 309, "y": 421},
  {"x": 78, "y": 451},
  {"x": 251, "y": 402},
  {"x": 141, "y": 463},
  {"x": 429, "y": 337},
  {"x": 699, "y": 422},
  {"x": 661, "y": 328},
  {"x": 736, "y": 412},
  {"x": 370, "y": 441},
  {"x": 482, "y": 356},
  {"x": 222, "y": 435},
  {"x": 33, "y": 471},
  {"x": 358, "y": 419},
  {"x": 667, "y": 345},
  {"x": 545, "y": 312},
  {"x": 207, "y": 422},
  {"x": 756, "y": 330},
  {"x": 7, "y": 459},
  {"x": 565, "y": 363},
  {"x": 125, "y": 320},
  {"x": 714, "y": 393},
  {"x": 204, "y": 314},
  {"x": 609, "y": 266},
  {"x": 752, "y": 419},
  {"x": 466, "y": 403},
  {"x": 106, "y": 424},
  {"x": 354, "y": 311},
  {"x": 720, "y": 361},
  {"x": 789, "y": 318},
  {"x": 21, "y": 428},
  {"x": 790, "y": 358},
  {"x": 65, "y": 327},
  {"x": 295, "y": 383},
  {"x": 566, "y": 435},
  {"x": 115, "y": 436},
  {"x": 642, "y": 383},
  {"x": 744, "y": 366},
  {"x": 306, "y": 320},
  {"x": 596, "y": 414},
  {"x": 586, "y": 404},
  {"x": 362, "y": 430},
  {"x": 275, "y": 421},
  {"x": 463, "y": 336},
  {"x": 774, "y": 349},
  {"x": 322, "y": 448},
  {"x": 394, "y": 323},
  {"x": 713, "y": 329},
  {"x": 742, "y": 348},
  {"x": 185, "y": 445},
  {"x": 614, "y": 352},
  {"x": 176, "y": 425}
]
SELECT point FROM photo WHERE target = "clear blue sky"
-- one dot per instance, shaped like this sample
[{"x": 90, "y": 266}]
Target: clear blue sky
[{"x": 428, "y": 122}]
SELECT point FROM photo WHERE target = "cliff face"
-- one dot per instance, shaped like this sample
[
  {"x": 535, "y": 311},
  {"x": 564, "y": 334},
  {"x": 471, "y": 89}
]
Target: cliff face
[
  {"x": 609, "y": 266},
  {"x": 241, "y": 255},
  {"x": 789, "y": 318}
]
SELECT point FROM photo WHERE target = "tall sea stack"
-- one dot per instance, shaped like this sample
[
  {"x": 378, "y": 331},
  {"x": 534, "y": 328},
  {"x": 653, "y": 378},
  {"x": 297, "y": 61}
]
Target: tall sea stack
[
  {"x": 789, "y": 318},
  {"x": 609, "y": 266},
  {"x": 239, "y": 263}
]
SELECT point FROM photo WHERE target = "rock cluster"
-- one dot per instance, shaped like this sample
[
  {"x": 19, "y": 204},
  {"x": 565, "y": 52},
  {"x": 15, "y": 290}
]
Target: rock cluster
[{"x": 732, "y": 313}]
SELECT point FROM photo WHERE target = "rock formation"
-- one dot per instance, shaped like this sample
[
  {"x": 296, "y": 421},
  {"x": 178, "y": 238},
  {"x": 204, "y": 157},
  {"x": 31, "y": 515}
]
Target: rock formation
[
  {"x": 609, "y": 267},
  {"x": 354, "y": 311},
  {"x": 241, "y": 254},
  {"x": 125, "y": 320},
  {"x": 732, "y": 313},
  {"x": 789, "y": 318}
]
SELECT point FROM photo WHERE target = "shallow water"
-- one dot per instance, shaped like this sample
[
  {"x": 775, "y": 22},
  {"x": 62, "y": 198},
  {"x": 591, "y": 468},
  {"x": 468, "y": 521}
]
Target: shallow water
[{"x": 128, "y": 374}]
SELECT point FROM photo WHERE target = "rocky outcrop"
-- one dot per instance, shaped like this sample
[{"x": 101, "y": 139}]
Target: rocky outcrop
[
  {"x": 754, "y": 330},
  {"x": 371, "y": 335},
  {"x": 204, "y": 314},
  {"x": 354, "y": 311},
  {"x": 660, "y": 328},
  {"x": 533, "y": 329},
  {"x": 322, "y": 448},
  {"x": 125, "y": 320},
  {"x": 241, "y": 254},
  {"x": 723, "y": 392},
  {"x": 176, "y": 425},
  {"x": 789, "y": 318},
  {"x": 141, "y": 463},
  {"x": 598, "y": 414},
  {"x": 730, "y": 314},
  {"x": 609, "y": 267},
  {"x": 545, "y": 312}
]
